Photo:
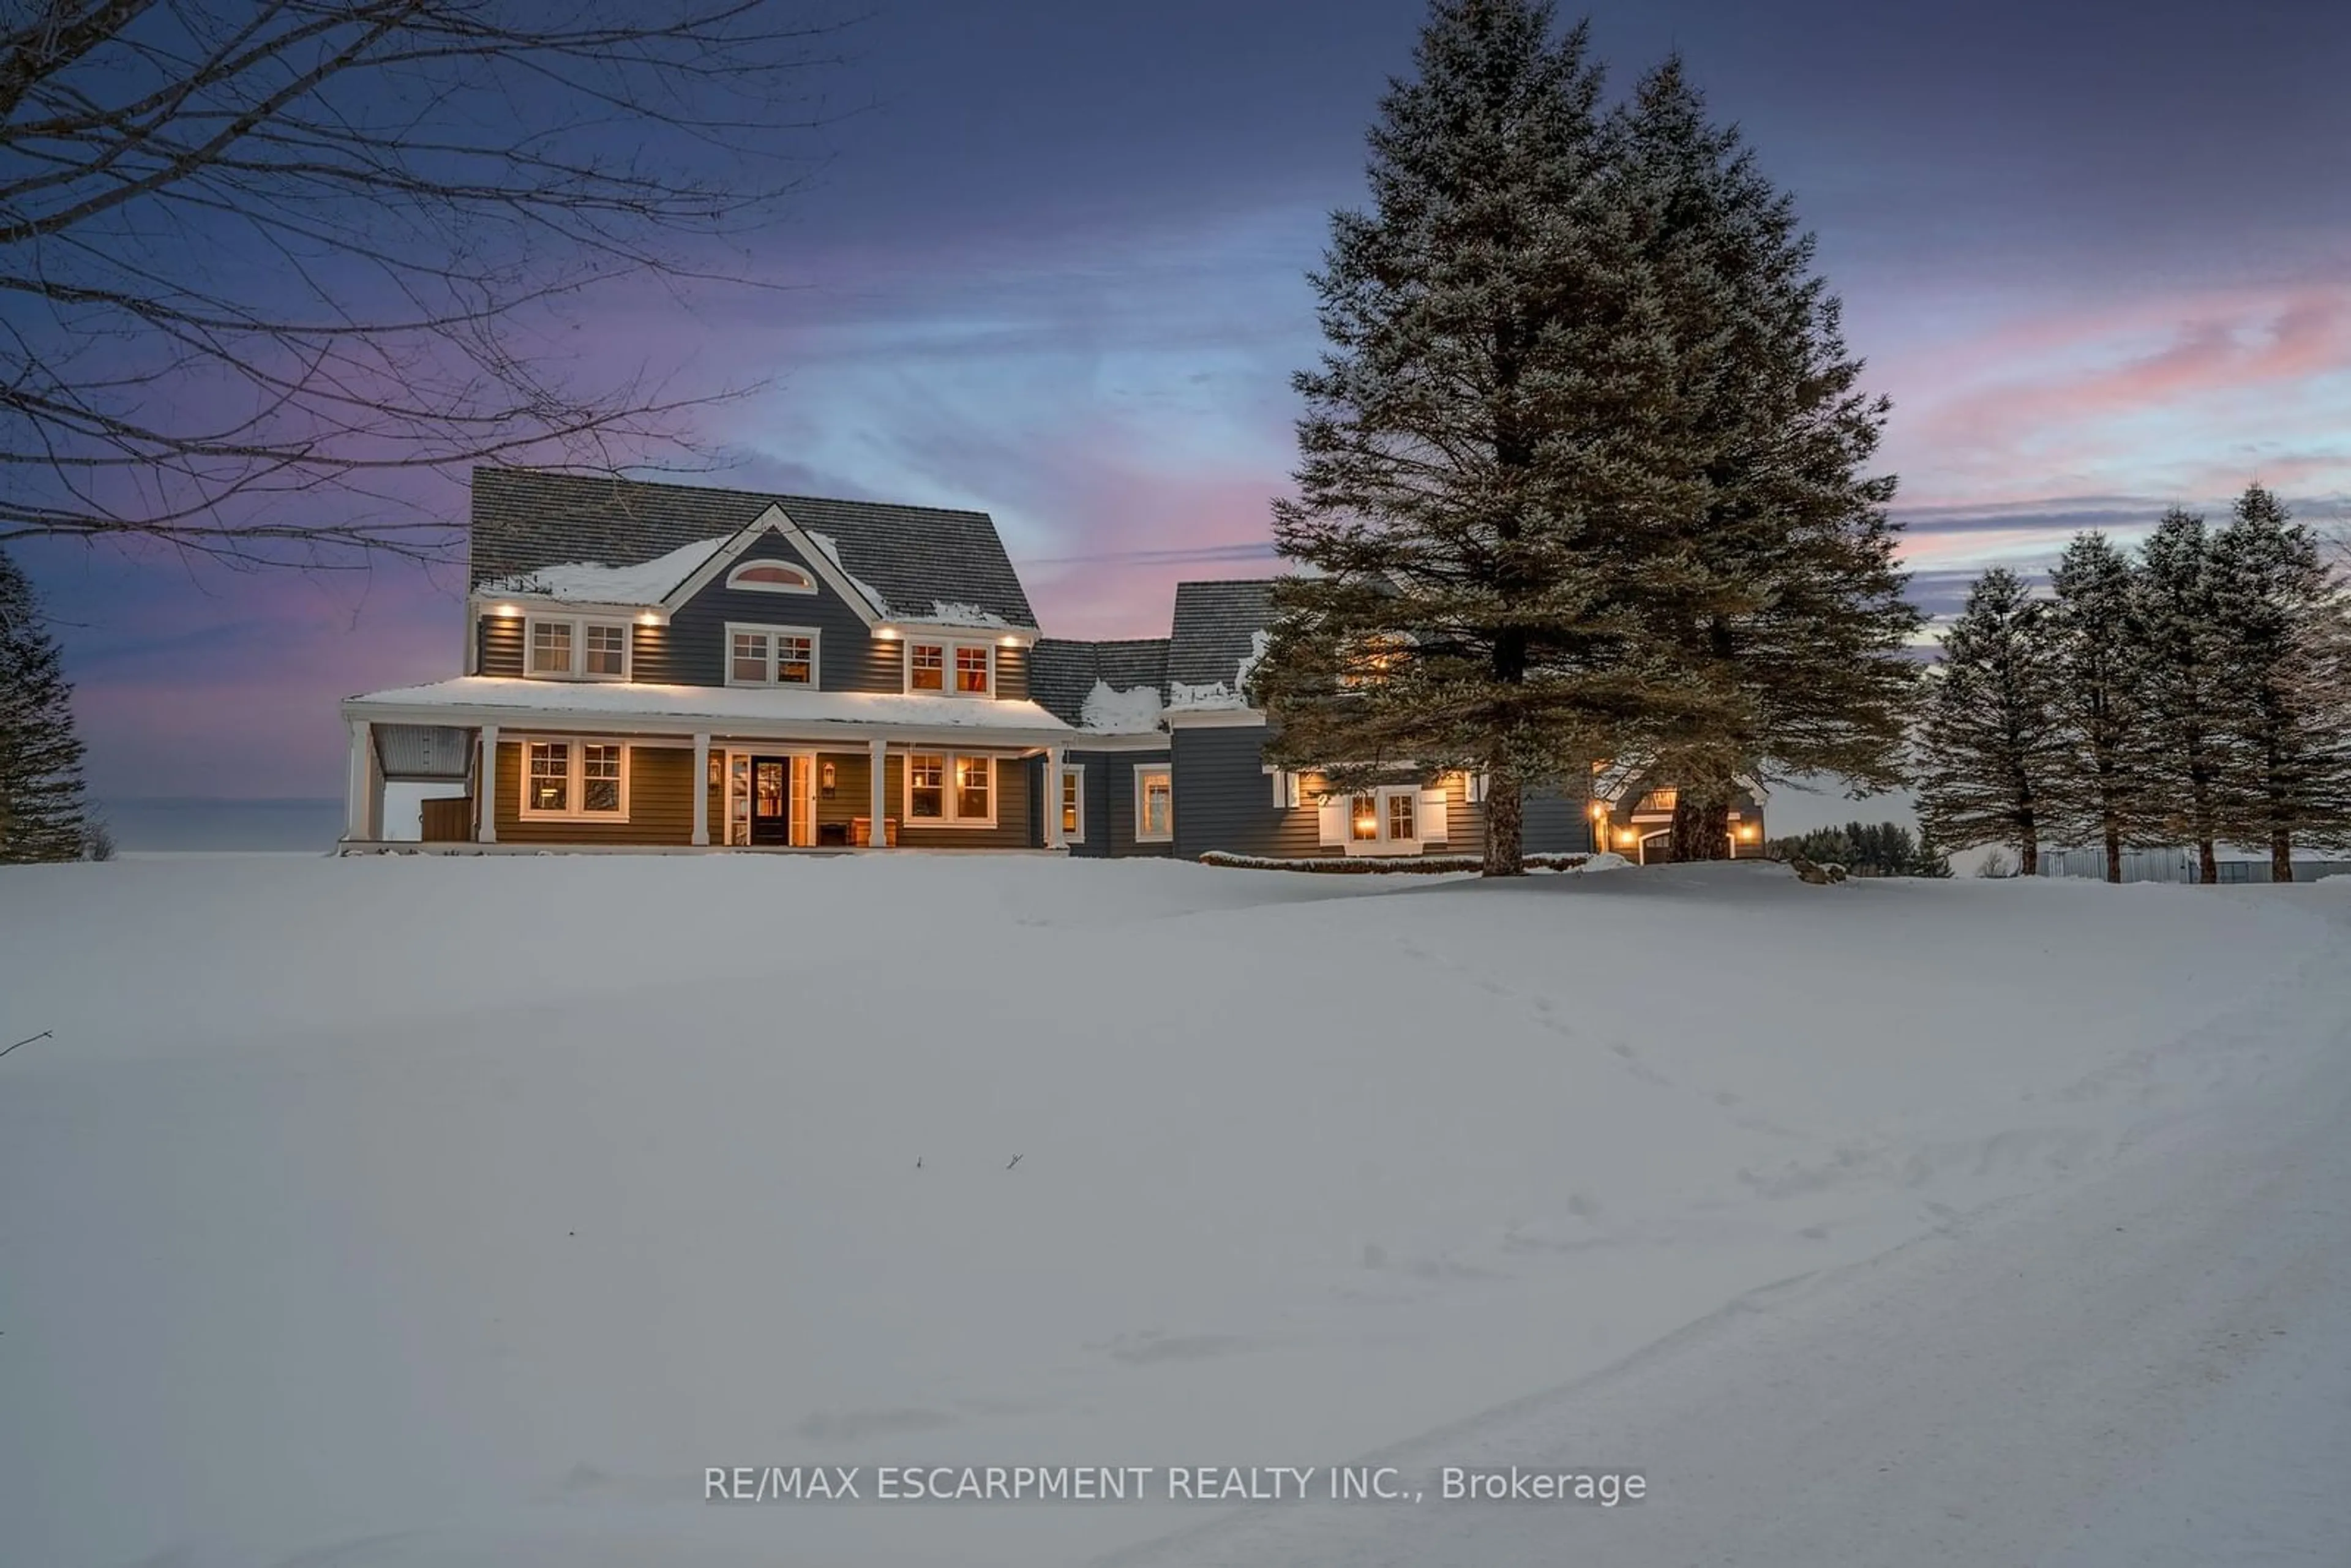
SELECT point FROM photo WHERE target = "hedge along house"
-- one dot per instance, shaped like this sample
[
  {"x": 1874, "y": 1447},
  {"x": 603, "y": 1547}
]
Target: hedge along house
[{"x": 651, "y": 665}]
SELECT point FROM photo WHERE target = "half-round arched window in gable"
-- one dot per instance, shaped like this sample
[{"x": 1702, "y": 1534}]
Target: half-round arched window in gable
[{"x": 770, "y": 576}]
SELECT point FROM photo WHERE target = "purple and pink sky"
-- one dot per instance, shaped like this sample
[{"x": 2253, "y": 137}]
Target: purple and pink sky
[{"x": 2099, "y": 254}]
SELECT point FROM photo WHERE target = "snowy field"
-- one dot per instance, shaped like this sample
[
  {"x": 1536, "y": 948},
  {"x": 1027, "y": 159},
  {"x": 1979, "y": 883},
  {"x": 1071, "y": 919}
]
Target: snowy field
[{"x": 408, "y": 1211}]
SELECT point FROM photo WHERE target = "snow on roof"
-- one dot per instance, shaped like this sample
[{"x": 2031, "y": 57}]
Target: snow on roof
[
  {"x": 1193, "y": 696},
  {"x": 752, "y": 705},
  {"x": 592, "y": 582},
  {"x": 1111, "y": 711},
  {"x": 946, "y": 613},
  {"x": 831, "y": 549}
]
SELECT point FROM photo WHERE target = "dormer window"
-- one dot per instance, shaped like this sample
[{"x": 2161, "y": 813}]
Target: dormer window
[
  {"x": 770, "y": 576},
  {"x": 961, "y": 669},
  {"x": 568, "y": 649}
]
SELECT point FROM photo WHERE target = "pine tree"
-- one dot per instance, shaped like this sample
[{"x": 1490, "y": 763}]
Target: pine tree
[
  {"x": 2101, "y": 680},
  {"x": 1783, "y": 590},
  {"x": 2177, "y": 625},
  {"x": 41, "y": 811},
  {"x": 1486, "y": 443},
  {"x": 1992, "y": 742},
  {"x": 2286, "y": 699},
  {"x": 1932, "y": 860}
]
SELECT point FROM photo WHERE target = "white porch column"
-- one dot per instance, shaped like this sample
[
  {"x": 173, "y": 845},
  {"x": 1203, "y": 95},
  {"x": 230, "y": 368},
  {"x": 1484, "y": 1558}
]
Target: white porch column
[
  {"x": 701, "y": 788},
  {"x": 486, "y": 791},
  {"x": 1053, "y": 838},
  {"x": 877, "y": 806},
  {"x": 363, "y": 801}
]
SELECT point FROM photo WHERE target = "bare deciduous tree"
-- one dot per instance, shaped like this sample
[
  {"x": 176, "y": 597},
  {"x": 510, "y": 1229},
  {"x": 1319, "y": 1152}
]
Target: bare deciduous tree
[{"x": 261, "y": 259}]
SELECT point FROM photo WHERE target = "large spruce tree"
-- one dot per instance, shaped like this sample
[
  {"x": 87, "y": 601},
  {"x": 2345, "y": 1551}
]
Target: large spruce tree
[
  {"x": 2102, "y": 779},
  {"x": 1992, "y": 743},
  {"x": 1578, "y": 473},
  {"x": 1485, "y": 441},
  {"x": 2176, "y": 621},
  {"x": 1782, "y": 588},
  {"x": 2284, "y": 683},
  {"x": 41, "y": 809}
]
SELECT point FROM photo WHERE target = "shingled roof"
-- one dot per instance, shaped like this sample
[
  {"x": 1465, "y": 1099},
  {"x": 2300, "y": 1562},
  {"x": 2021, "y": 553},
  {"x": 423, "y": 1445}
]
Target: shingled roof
[
  {"x": 917, "y": 557},
  {"x": 1061, "y": 672},
  {"x": 1216, "y": 625}
]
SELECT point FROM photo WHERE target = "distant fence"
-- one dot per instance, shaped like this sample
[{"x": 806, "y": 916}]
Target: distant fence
[{"x": 2180, "y": 866}]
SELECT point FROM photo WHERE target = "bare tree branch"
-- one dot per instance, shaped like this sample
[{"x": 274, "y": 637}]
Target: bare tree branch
[{"x": 261, "y": 258}]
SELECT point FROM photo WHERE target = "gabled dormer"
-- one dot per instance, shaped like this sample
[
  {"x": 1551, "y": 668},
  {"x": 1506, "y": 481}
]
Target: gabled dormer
[{"x": 800, "y": 592}]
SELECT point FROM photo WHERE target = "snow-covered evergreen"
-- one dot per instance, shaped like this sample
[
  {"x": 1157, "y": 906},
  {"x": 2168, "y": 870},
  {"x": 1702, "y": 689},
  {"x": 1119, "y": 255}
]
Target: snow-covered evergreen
[
  {"x": 1992, "y": 744},
  {"x": 42, "y": 814},
  {"x": 2286, "y": 701},
  {"x": 2102, "y": 779},
  {"x": 2176, "y": 623},
  {"x": 1580, "y": 472}
]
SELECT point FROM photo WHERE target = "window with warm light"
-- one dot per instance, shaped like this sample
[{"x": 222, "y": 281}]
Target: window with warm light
[
  {"x": 574, "y": 779},
  {"x": 1073, "y": 805},
  {"x": 1154, "y": 805},
  {"x": 970, "y": 802},
  {"x": 770, "y": 655},
  {"x": 927, "y": 793},
  {"x": 770, "y": 576},
  {"x": 971, "y": 671},
  {"x": 1364, "y": 818},
  {"x": 927, "y": 666}
]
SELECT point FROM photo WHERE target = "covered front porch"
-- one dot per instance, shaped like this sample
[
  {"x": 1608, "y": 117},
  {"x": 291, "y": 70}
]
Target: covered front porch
[{"x": 552, "y": 778}]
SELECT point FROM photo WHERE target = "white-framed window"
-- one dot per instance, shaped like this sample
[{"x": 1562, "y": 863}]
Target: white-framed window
[
  {"x": 574, "y": 648},
  {"x": 1154, "y": 805},
  {"x": 1390, "y": 820},
  {"x": 575, "y": 780},
  {"x": 956, "y": 669},
  {"x": 770, "y": 576},
  {"x": 770, "y": 655},
  {"x": 950, "y": 789},
  {"x": 1074, "y": 804},
  {"x": 1285, "y": 788}
]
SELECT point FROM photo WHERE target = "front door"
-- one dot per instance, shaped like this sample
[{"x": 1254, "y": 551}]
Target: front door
[{"x": 771, "y": 800}]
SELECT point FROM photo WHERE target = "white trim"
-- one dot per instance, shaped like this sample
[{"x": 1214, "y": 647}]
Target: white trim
[
  {"x": 577, "y": 668},
  {"x": 485, "y": 788},
  {"x": 1285, "y": 788},
  {"x": 1068, "y": 773},
  {"x": 575, "y": 779},
  {"x": 363, "y": 800},
  {"x": 777, "y": 521},
  {"x": 702, "y": 789},
  {"x": 950, "y": 786},
  {"x": 736, "y": 584},
  {"x": 1167, "y": 771},
  {"x": 948, "y": 646},
  {"x": 1213, "y": 718},
  {"x": 515, "y": 606},
  {"x": 877, "y": 795},
  {"x": 774, "y": 656},
  {"x": 1381, "y": 844}
]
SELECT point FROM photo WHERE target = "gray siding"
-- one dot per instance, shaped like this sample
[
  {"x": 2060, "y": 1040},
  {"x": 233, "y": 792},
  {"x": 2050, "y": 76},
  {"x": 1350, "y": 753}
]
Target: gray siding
[
  {"x": 499, "y": 645},
  {"x": 1109, "y": 802},
  {"x": 1554, "y": 823},
  {"x": 848, "y": 660},
  {"x": 1224, "y": 802}
]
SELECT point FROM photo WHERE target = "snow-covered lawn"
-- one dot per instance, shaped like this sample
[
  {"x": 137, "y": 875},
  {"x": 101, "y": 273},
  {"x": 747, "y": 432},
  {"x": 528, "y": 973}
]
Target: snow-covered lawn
[{"x": 416, "y": 1211}]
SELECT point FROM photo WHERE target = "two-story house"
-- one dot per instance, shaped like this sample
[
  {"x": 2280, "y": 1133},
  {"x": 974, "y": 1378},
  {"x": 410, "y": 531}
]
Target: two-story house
[{"x": 655, "y": 666}]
